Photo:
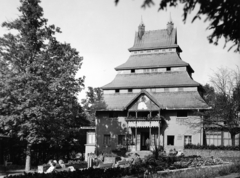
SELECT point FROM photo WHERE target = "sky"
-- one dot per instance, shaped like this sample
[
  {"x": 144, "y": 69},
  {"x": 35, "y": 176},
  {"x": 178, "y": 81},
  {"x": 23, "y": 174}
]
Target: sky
[{"x": 102, "y": 33}]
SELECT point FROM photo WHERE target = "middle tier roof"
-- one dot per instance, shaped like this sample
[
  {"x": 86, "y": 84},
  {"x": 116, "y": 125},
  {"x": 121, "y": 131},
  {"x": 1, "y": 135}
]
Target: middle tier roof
[
  {"x": 156, "y": 60},
  {"x": 152, "y": 80}
]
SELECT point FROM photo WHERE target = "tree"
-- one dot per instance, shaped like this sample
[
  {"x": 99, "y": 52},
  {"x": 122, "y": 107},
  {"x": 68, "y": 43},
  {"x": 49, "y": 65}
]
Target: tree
[
  {"x": 38, "y": 100},
  {"x": 224, "y": 98},
  {"x": 94, "y": 101},
  {"x": 223, "y": 16}
]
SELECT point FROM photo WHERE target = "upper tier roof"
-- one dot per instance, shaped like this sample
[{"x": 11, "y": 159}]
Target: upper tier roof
[
  {"x": 155, "y": 60},
  {"x": 156, "y": 39},
  {"x": 151, "y": 80}
]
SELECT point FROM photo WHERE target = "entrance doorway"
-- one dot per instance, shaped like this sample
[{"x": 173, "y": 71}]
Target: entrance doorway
[{"x": 144, "y": 137}]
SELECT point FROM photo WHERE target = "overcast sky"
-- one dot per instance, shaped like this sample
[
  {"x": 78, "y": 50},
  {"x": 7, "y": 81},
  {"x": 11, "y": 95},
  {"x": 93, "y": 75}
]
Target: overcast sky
[{"x": 103, "y": 32}]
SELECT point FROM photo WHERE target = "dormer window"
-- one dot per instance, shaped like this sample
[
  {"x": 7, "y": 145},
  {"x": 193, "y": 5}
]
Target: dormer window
[
  {"x": 168, "y": 68},
  {"x": 132, "y": 70},
  {"x": 117, "y": 91}
]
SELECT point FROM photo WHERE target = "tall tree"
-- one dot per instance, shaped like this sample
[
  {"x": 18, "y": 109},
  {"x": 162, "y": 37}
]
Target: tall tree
[
  {"x": 225, "y": 101},
  {"x": 223, "y": 16},
  {"x": 37, "y": 79},
  {"x": 94, "y": 101}
]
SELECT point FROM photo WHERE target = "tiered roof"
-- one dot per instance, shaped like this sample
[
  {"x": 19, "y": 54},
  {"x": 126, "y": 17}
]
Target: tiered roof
[{"x": 153, "y": 42}]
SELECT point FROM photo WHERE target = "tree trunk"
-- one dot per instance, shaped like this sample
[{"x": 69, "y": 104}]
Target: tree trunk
[
  {"x": 28, "y": 158},
  {"x": 233, "y": 138}
]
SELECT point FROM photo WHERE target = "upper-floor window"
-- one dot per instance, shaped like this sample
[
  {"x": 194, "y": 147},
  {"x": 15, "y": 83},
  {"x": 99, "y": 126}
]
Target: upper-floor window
[
  {"x": 180, "y": 89},
  {"x": 117, "y": 91},
  {"x": 168, "y": 68},
  {"x": 182, "y": 114},
  {"x": 129, "y": 90},
  {"x": 132, "y": 70},
  {"x": 166, "y": 89}
]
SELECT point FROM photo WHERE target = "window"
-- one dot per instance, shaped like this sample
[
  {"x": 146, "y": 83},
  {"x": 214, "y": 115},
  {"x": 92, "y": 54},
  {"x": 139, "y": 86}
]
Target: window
[
  {"x": 213, "y": 138},
  {"x": 166, "y": 89},
  {"x": 182, "y": 114},
  {"x": 117, "y": 91},
  {"x": 106, "y": 139},
  {"x": 121, "y": 139},
  {"x": 168, "y": 68},
  {"x": 132, "y": 70},
  {"x": 187, "y": 139},
  {"x": 170, "y": 140},
  {"x": 180, "y": 89},
  {"x": 91, "y": 138},
  {"x": 129, "y": 90}
]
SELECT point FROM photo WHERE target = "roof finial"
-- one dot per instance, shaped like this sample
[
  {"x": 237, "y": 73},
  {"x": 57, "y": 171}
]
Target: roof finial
[
  {"x": 141, "y": 21},
  {"x": 170, "y": 18}
]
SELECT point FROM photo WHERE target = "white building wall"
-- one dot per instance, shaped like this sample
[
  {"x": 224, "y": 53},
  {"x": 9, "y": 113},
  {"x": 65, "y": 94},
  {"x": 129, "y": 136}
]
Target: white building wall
[{"x": 180, "y": 127}]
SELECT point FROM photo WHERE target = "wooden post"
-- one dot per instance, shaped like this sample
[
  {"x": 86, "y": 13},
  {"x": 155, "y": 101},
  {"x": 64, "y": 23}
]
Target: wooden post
[
  {"x": 136, "y": 135},
  {"x": 159, "y": 125},
  {"x": 150, "y": 136}
]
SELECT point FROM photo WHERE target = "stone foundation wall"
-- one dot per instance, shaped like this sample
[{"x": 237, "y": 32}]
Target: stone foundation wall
[{"x": 214, "y": 153}]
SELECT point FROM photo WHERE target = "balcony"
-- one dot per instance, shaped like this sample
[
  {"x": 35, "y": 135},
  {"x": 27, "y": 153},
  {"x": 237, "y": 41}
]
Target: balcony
[{"x": 133, "y": 118}]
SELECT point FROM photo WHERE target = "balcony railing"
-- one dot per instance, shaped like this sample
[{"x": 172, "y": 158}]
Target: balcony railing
[{"x": 133, "y": 118}]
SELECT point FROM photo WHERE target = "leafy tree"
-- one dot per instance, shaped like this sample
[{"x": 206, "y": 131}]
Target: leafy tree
[
  {"x": 94, "y": 101},
  {"x": 224, "y": 98},
  {"x": 223, "y": 16},
  {"x": 38, "y": 100}
]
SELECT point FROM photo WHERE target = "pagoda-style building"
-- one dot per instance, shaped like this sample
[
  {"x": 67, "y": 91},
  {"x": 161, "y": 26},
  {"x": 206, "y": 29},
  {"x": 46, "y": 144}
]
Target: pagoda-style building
[{"x": 153, "y": 96}]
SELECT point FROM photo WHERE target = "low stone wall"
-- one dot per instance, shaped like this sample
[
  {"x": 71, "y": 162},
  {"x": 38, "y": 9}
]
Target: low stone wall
[{"x": 214, "y": 153}]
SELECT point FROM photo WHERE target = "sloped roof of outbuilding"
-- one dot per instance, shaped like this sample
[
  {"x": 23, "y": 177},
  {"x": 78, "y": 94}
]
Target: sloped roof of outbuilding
[
  {"x": 151, "y": 80},
  {"x": 156, "y": 60},
  {"x": 167, "y": 100},
  {"x": 155, "y": 39}
]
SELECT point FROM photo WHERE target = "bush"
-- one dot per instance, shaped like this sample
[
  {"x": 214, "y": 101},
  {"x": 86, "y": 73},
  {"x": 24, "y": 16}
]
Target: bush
[{"x": 211, "y": 147}]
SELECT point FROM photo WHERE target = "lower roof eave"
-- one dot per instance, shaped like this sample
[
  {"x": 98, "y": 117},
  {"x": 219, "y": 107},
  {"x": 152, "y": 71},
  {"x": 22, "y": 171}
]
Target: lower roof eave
[
  {"x": 154, "y": 86},
  {"x": 197, "y": 108}
]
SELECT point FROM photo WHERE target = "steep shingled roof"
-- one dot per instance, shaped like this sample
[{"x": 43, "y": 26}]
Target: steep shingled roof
[
  {"x": 152, "y": 61},
  {"x": 151, "y": 80},
  {"x": 168, "y": 100},
  {"x": 155, "y": 39}
]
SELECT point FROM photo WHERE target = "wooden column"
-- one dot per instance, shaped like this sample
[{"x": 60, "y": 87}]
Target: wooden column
[
  {"x": 136, "y": 135},
  {"x": 150, "y": 135},
  {"x": 159, "y": 125}
]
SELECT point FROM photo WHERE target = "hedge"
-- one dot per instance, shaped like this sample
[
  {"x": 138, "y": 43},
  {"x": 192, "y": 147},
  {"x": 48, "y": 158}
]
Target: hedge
[{"x": 211, "y": 147}]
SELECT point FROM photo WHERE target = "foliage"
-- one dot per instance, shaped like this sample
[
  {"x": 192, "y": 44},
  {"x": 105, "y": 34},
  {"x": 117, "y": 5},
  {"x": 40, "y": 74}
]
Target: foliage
[
  {"x": 38, "y": 100},
  {"x": 211, "y": 147},
  {"x": 222, "y": 15},
  {"x": 94, "y": 101},
  {"x": 223, "y": 97}
]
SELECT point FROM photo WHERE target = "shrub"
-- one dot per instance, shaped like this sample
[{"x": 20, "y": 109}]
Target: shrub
[{"x": 212, "y": 147}]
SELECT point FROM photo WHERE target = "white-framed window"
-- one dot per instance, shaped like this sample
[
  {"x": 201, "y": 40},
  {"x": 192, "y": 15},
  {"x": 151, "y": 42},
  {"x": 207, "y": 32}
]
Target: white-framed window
[
  {"x": 91, "y": 137},
  {"x": 187, "y": 139}
]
